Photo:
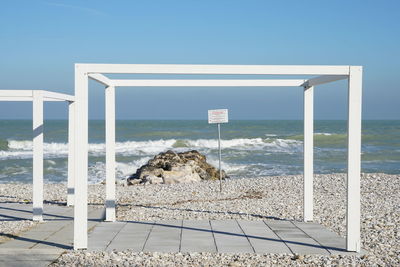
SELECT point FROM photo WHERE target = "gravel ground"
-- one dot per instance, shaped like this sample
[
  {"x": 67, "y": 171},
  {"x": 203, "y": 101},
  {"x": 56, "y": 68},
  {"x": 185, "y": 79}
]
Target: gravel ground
[
  {"x": 250, "y": 199},
  {"x": 129, "y": 258},
  {"x": 8, "y": 229}
]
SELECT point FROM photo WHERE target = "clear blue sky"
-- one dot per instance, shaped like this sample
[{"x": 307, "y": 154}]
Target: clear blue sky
[{"x": 41, "y": 40}]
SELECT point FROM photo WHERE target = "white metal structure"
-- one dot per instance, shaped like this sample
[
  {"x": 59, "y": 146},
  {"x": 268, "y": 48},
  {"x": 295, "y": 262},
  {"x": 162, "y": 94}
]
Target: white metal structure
[
  {"x": 324, "y": 74},
  {"x": 37, "y": 97}
]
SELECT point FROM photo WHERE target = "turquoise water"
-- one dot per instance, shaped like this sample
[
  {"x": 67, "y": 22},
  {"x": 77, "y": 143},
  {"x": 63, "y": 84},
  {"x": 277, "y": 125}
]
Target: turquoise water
[{"x": 250, "y": 148}]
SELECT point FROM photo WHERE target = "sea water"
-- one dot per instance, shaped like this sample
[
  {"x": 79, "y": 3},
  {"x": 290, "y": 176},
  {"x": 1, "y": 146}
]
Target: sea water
[{"x": 249, "y": 148}]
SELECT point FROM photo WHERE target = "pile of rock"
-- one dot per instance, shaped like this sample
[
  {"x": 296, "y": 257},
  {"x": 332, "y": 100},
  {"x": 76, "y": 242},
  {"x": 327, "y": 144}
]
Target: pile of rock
[{"x": 171, "y": 168}]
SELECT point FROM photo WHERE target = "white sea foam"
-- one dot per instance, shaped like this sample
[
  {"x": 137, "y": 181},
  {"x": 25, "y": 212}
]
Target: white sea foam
[
  {"x": 232, "y": 143},
  {"x": 20, "y": 145},
  {"x": 97, "y": 171},
  {"x": 126, "y": 169},
  {"x": 145, "y": 150},
  {"x": 278, "y": 145},
  {"x": 322, "y": 134},
  {"x": 51, "y": 162},
  {"x": 228, "y": 167},
  {"x": 23, "y": 149}
]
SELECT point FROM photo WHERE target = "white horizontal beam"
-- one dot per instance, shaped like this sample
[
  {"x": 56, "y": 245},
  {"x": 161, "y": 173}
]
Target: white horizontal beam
[
  {"x": 27, "y": 99},
  {"x": 201, "y": 83},
  {"x": 16, "y": 93},
  {"x": 324, "y": 79},
  {"x": 213, "y": 69},
  {"x": 46, "y": 99},
  {"x": 53, "y": 96},
  {"x": 27, "y": 95},
  {"x": 100, "y": 78},
  {"x": 16, "y": 98}
]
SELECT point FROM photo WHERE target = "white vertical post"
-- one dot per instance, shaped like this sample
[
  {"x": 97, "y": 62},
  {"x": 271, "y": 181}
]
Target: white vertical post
[
  {"x": 110, "y": 153},
  {"x": 37, "y": 156},
  {"x": 308, "y": 153},
  {"x": 219, "y": 151},
  {"x": 81, "y": 158},
  {"x": 353, "y": 242},
  {"x": 71, "y": 154}
]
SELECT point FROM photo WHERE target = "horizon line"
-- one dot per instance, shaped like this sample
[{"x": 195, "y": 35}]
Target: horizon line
[{"x": 66, "y": 119}]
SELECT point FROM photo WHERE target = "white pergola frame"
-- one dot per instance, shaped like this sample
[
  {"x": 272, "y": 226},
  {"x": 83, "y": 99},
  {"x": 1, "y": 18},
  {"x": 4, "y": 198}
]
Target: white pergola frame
[
  {"x": 325, "y": 74},
  {"x": 38, "y": 97}
]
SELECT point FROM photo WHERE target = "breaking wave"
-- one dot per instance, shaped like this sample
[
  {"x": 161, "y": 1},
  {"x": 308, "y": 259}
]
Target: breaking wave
[{"x": 23, "y": 149}]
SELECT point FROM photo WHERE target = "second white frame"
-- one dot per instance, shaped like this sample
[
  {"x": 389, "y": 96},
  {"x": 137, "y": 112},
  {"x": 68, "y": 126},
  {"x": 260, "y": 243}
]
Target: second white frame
[{"x": 325, "y": 74}]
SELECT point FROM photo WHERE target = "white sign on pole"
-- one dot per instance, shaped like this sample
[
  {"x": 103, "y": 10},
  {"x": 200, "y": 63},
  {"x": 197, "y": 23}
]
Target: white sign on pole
[{"x": 218, "y": 116}]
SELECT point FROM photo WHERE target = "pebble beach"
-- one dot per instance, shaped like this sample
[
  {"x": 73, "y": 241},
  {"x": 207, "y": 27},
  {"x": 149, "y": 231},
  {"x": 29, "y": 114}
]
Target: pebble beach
[{"x": 249, "y": 199}]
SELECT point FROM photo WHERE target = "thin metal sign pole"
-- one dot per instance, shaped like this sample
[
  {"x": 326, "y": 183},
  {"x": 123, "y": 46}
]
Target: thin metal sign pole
[{"x": 219, "y": 149}]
